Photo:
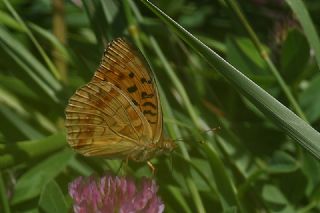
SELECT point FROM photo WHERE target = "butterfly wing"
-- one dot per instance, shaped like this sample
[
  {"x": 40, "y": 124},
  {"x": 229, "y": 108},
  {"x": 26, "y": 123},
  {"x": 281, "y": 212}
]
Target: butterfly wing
[
  {"x": 102, "y": 121},
  {"x": 125, "y": 67}
]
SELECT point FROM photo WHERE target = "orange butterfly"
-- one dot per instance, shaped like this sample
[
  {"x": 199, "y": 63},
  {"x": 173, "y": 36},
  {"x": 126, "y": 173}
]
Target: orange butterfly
[{"x": 118, "y": 113}]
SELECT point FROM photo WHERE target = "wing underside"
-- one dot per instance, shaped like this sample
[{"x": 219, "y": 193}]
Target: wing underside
[{"x": 101, "y": 120}]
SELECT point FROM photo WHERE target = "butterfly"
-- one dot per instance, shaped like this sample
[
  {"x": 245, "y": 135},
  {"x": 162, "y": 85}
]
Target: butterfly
[{"x": 118, "y": 113}]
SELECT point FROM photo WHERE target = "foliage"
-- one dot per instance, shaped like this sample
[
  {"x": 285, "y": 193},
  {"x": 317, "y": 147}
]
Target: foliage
[{"x": 252, "y": 163}]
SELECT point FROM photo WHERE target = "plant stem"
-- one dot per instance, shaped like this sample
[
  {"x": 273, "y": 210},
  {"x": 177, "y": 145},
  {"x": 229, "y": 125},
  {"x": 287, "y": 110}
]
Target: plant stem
[
  {"x": 59, "y": 30},
  {"x": 3, "y": 196}
]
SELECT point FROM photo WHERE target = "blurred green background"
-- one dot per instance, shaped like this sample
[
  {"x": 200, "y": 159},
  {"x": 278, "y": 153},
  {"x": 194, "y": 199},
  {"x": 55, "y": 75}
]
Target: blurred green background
[{"x": 50, "y": 48}]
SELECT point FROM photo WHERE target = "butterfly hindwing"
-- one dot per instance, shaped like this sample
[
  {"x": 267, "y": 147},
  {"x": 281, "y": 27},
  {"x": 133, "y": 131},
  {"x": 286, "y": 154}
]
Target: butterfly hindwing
[{"x": 102, "y": 120}]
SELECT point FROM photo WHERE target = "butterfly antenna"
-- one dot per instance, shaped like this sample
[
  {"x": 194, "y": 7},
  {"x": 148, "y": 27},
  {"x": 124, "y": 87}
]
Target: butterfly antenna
[
  {"x": 203, "y": 132},
  {"x": 179, "y": 139}
]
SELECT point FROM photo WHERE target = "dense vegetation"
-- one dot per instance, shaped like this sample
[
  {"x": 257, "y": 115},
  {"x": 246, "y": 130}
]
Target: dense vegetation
[{"x": 261, "y": 157}]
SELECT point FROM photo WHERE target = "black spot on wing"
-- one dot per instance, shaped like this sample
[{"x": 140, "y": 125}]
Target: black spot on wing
[
  {"x": 149, "y": 104},
  {"x": 131, "y": 74},
  {"x": 145, "y": 95},
  {"x": 152, "y": 122},
  {"x": 143, "y": 80},
  {"x": 149, "y": 112},
  {"x": 132, "y": 89}
]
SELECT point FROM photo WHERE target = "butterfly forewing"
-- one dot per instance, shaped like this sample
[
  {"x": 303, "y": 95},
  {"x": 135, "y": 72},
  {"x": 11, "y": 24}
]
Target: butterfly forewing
[{"x": 125, "y": 67}]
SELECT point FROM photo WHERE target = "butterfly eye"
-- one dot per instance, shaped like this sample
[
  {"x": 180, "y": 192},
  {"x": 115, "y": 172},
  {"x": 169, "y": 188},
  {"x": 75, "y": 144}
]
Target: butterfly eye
[{"x": 167, "y": 145}]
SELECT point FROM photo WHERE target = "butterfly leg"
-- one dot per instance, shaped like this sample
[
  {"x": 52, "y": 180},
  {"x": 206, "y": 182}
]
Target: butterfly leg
[
  {"x": 151, "y": 166},
  {"x": 123, "y": 167}
]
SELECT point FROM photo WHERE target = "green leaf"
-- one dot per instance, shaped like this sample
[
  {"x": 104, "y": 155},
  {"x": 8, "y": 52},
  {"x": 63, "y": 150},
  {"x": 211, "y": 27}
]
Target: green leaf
[
  {"x": 310, "y": 99},
  {"x": 243, "y": 55},
  {"x": 275, "y": 200},
  {"x": 31, "y": 183},
  {"x": 281, "y": 162},
  {"x": 52, "y": 199},
  {"x": 310, "y": 31},
  {"x": 294, "y": 55},
  {"x": 311, "y": 169},
  {"x": 15, "y": 153}
]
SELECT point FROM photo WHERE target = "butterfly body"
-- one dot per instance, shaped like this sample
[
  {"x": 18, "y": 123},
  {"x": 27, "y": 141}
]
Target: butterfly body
[{"x": 118, "y": 113}]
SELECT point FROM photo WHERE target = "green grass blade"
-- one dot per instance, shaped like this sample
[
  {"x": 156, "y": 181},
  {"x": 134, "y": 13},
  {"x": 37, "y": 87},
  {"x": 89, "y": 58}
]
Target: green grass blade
[
  {"x": 7, "y": 20},
  {"x": 63, "y": 52},
  {"x": 224, "y": 185},
  {"x": 33, "y": 68},
  {"x": 290, "y": 123},
  {"x": 195, "y": 194},
  {"x": 179, "y": 198},
  {"x": 46, "y": 58},
  {"x": 21, "y": 124},
  {"x": 30, "y": 184}
]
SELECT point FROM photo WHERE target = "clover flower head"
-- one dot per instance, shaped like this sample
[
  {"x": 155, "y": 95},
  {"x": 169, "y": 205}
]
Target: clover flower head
[{"x": 114, "y": 194}]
